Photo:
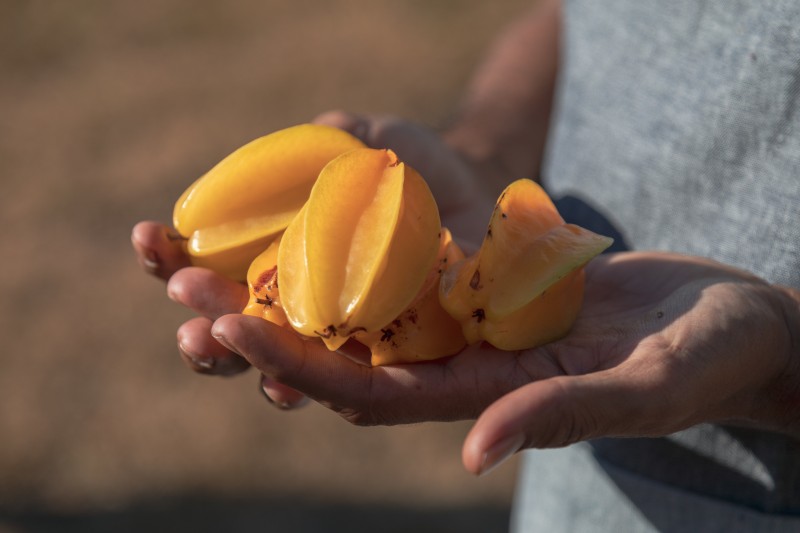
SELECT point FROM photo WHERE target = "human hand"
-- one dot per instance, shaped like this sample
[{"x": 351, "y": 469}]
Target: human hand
[
  {"x": 465, "y": 198},
  {"x": 463, "y": 202},
  {"x": 160, "y": 253},
  {"x": 663, "y": 342}
]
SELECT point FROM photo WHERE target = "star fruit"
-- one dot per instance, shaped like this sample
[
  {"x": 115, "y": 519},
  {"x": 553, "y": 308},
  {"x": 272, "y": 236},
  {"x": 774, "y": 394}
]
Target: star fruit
[
  {"x": 422, "y": 331},
  {"x": 344, "y": 243},
  {"x": 366, "y": 246},
  {"x": 262, "y": 283},
  {"x": 237, "y": 208},
  {"x": 524, "y": 286}
]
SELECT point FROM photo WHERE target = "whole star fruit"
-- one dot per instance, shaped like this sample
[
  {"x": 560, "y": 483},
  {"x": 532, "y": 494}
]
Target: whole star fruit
[
  {"x": 232, "y": 213},
  {"x": 524, "y": 286},
  {"x": 361, "y": 248}
]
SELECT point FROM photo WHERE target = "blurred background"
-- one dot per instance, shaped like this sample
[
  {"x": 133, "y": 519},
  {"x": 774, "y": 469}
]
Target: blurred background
[{"x": 108, "y": 110}]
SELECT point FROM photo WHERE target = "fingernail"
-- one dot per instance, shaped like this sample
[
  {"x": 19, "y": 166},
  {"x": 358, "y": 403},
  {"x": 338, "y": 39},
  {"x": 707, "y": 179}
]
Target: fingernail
[
  {"x": 174, "y": 236},
  {"x": 263, "y": 390},
  {"x": 283, "y": 406},
  {"x": 499, "y": 452},
  {"x": 204, "y": 364},
  {"x": 198, "y": 362},
  {"x": 223, "y": 341},
  {"x": 151, "y": 261},
  {"x": 283, "y": 403}
]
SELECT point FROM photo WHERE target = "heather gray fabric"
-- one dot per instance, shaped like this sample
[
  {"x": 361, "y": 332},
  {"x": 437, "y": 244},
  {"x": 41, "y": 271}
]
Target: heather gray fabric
[
  {"x": 573, "y": 491},
  {"x": 677, "y": 128}
]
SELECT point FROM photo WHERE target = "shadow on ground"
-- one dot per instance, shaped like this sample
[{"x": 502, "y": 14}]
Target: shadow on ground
[{"x": 197, "y": 514}]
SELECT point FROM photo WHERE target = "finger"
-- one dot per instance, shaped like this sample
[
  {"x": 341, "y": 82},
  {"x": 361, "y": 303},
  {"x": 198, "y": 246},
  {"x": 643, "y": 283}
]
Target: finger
[
  {"x": 284, "y": 357},
  {"x": 203, "y": 354},
  {"x": 356, "y": 352},
  {"x": 455, "y": 388},
  {"x": 159, "y": 250},
  {"x": 206, "y": 292},
  {"x": 280, "y": 395},
  {"x": 556, "y": 412},
  {"x": 410, "y": 141},
  {"x": 413, "y": 142},
  {"x": 356, "y": 125}
]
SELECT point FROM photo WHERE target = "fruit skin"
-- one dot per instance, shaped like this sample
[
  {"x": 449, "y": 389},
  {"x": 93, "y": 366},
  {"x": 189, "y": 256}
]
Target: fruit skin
[
  {"x": 544, "y": 319},
  {"x": 524, "y": 286},
  {"x": 361, "y": 248},
  {"x": 356, "y": 237},
  {"x": 262, "y": 282},
  {"x": 237, "y": 208},
  {"x": 424, "y": 330}
]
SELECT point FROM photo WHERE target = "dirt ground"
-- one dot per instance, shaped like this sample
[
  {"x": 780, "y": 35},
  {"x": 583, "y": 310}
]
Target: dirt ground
[{"x": 108, "y": 110}]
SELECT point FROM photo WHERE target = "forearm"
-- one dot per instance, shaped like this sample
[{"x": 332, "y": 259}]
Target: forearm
[{"x": 502, "y": 122}]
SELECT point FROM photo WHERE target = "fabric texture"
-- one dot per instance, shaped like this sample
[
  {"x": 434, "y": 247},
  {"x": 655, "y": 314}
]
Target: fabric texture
[
  {"x": 573, "y": 490},
  {"x": 677, "y": 128}
]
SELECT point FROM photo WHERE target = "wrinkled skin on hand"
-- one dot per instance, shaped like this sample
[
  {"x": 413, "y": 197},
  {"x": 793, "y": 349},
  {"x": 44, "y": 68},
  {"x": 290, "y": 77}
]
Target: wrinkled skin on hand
[{"x": 663, "y": 342}]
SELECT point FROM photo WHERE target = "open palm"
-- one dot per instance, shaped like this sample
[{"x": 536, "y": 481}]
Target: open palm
[{"x": 663, "y": 342}]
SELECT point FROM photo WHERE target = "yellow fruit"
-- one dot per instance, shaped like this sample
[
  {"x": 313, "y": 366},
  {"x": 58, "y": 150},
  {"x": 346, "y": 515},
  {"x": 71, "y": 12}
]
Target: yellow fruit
[
  {"x": 237, "y": 208},
  {"x": 524, "y": 286},
  {"x": 353, "y": 236},
  {"x": 360, "y": 249},
  {"x": 424, "y": 330},
  {"x": 262, "y": 281}
]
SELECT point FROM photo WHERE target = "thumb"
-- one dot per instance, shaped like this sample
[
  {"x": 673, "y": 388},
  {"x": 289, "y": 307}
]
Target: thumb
[{"x": 551, "y": 413}]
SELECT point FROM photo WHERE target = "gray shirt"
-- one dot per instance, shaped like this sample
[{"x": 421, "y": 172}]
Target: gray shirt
[{"x": 677, "y": 128}]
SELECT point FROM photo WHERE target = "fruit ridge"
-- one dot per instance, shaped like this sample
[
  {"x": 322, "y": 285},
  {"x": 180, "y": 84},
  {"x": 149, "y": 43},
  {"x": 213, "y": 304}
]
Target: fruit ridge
[{"x": 352, "y": 266}]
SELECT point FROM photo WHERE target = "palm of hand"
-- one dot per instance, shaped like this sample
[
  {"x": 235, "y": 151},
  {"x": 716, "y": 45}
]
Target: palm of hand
[
  {"x": 661, "y": 331},
  {"x": 663, "y": 342},
  {"x": 646, "y": 348}
]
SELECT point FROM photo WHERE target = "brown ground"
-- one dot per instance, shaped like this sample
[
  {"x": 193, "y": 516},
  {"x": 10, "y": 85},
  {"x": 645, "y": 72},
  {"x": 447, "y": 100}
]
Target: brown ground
[{"x": 108, "y": 109}]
